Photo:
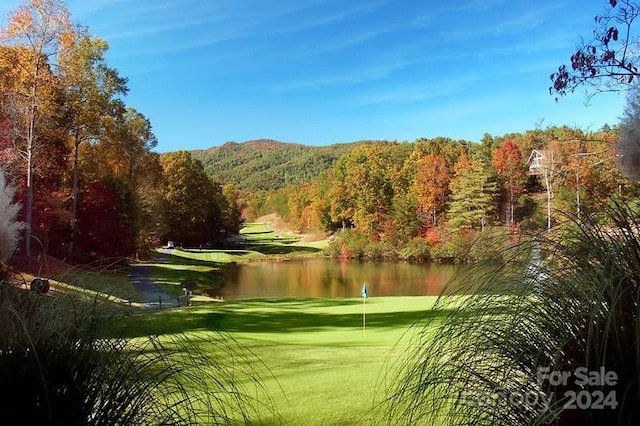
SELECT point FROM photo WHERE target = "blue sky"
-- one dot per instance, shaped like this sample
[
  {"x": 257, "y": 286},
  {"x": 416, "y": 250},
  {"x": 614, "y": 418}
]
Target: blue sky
[{"x": 319, "y": 72}]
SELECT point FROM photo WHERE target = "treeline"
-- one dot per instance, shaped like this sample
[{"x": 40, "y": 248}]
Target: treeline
[
  {"x": 430, "y": 199},
  {"x": 82, "y": 160}
]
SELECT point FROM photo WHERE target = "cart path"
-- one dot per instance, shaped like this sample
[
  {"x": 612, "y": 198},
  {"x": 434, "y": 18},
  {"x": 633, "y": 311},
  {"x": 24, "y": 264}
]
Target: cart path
[{"x": 154, "y": 296}]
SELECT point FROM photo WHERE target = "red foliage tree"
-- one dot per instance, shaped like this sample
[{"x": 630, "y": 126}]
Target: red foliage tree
[{"x": 103, "y": 228}]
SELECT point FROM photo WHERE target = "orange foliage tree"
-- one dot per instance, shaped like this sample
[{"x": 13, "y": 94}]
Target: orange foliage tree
[
  {"x": 509, "y": 166},
  {"x": 431, "y": 186}
]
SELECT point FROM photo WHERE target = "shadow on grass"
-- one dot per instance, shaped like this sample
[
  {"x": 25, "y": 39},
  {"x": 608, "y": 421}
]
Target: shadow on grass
[
  {"x": 266, "y": 316},
  {"x": 291, "y": 322},
  {"x": 297, "y": 302},
  {"x": 172, "y": 280},
  {"x": 175, "y": 258},
  {"x": 274, "y": 248},
  {"x": 261, "y": 232}
]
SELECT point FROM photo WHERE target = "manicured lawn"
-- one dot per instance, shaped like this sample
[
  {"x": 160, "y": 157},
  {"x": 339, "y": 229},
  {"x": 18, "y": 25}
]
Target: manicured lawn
[
  {"x": 318, "y": 363},
  {"x": 316, "y": 360}
]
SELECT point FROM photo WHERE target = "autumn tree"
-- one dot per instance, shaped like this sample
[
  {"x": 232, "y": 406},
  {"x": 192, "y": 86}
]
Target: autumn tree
[
  {"x": 602, "y": 162},
  {"x": 341, "y": 193},
  {"x": 509, "y": 166},
  {"x": 233, "y": 213},
  {"x": 448, "y": 148},
  {"x": 609, "y": 60},
  {"x": 370, "y": 175},
  {"x": 431, "y": 186},
  {"x": 91, "y": 93},
  {"x": 39, "y": 28},
  {"x": 150, "y": 203},
  {"x": 133, "y": 140},
  {"x": 106, "y": 218},
  {"x": 195, "y": 204}
]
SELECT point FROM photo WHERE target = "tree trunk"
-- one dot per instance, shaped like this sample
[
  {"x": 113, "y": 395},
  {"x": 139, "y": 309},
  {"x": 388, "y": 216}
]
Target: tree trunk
[
  {"x": 30, "y": 143},
  {"x": 511, "y": 207},
  {"x": 29, "y": 208},
  {"x": 578, "y": 193},
  {"x": 74, "y": 194},
  {"x": 548, "y": 186}
]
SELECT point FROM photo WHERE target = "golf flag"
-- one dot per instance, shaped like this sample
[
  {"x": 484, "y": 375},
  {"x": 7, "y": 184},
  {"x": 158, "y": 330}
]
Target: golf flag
[{"x": 364, "y": 306}]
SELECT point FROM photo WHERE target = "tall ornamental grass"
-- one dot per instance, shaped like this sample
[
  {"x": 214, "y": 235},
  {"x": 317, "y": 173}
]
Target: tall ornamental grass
[
  {"x": 548, "y": 337},
  {"x": 59, "y": 365},
  {"x": 10, "y": 227}
]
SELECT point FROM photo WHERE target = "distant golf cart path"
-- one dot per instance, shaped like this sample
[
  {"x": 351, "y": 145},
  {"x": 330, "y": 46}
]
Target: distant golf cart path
[{"x": 154, "y": 296}]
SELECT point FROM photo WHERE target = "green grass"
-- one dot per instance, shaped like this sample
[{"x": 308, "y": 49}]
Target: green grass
[
  {"x": 263, "y": 239},
  {"x": 315, "y": 359},
  {"x": 113, "y": 282},
  {"x": 319, "y": 365}
]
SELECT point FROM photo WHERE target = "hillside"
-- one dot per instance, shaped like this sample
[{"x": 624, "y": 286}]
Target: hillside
[{"x": 267, "y": 164}]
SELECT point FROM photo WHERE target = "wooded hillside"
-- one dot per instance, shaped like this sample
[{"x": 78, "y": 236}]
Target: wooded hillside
[{"x": 267, "y": 164}]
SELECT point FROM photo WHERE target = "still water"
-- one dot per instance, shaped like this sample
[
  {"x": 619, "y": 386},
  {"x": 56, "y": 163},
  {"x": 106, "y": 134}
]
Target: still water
[{"x": 320, "y": 277}]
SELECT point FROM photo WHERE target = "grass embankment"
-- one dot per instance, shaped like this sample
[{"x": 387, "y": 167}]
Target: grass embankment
[
  {"x": 318, "y": 363},
  {"x": 109, "y": 282}
]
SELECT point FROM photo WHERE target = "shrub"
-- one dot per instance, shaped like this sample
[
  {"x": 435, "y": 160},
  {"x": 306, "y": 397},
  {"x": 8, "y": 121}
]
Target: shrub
[
  {"x": 416, "y": 250},
  {"x": 380, "y": 250},
  {"x": 349, "y": 244}
]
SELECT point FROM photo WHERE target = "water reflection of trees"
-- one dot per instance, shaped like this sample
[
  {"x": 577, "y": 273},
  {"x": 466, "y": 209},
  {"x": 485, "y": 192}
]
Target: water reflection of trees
[{"x": 329, "y": 278}]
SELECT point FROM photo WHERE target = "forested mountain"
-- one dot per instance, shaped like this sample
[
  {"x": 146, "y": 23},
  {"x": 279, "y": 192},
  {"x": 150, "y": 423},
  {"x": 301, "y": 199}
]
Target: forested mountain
[{"x": 267, "y": 164}]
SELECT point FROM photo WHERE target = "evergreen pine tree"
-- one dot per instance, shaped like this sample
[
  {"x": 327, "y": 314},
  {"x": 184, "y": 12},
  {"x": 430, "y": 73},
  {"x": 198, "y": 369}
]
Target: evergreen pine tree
[{"x": 473, "y": 193}]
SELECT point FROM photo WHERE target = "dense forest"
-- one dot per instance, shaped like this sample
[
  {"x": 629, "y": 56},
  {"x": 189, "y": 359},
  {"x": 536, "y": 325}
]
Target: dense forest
[
  {"x": 81, "y": 160},
  {"x": 90, "y": 185},
  {"x": 431, "y": 198},
  {"x": 267, "y": 165}
]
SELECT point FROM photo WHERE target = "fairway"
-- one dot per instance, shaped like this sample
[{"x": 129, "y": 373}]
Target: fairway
[{"x": 322, "y": 367}]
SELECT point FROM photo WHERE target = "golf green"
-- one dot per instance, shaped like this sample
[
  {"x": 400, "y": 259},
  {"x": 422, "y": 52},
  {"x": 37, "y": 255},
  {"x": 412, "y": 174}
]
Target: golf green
[
  {"x": 328, "y": 366},
  {"x": 323, "y": 361}
]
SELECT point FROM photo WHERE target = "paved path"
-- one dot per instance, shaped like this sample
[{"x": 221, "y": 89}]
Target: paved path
[{"x": 154, "y": 296}]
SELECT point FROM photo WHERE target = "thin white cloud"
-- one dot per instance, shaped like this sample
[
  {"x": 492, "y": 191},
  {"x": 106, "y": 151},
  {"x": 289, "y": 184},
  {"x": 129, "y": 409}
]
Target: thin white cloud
[
  {"x": 229, "y": 25},
  {"x": 378, "y": 71},
  {"x": 84, "y": 9},
  {"x": 406, "y": 94},
  {"x": 163, "y": 28},
  {"x": 518, "y": 24},
  {"x": 476, "y": 6},
  {"x": 336, "y": 16}
]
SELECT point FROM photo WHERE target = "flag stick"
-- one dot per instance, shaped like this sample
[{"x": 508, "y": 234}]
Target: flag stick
[
  {"x": 364, "y": 314},
  {"x": 364, "y": 306}
]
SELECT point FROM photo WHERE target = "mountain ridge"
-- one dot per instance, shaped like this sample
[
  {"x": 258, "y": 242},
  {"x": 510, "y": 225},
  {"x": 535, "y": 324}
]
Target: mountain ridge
[{"x": 268, "y": 164}]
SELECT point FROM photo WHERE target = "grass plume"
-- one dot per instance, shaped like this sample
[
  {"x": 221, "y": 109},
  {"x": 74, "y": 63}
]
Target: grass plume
[
  {"x": 62, "y": 361},
  {"x": 576, "y": 309}
]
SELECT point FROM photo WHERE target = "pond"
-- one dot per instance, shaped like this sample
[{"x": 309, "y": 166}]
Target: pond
[{"x": 321, "y": 277}]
